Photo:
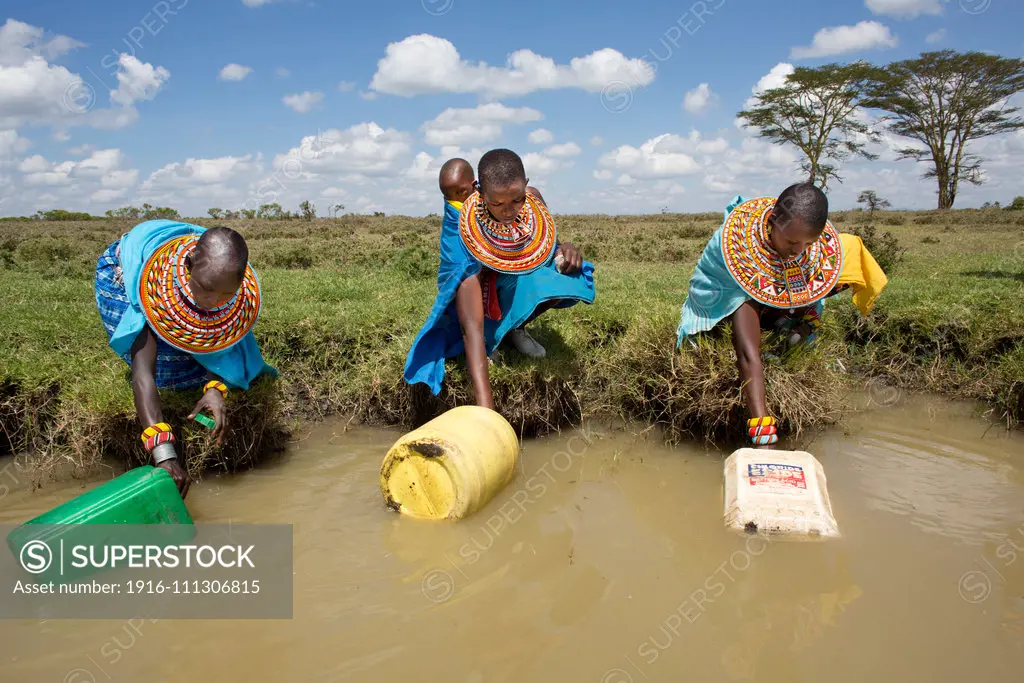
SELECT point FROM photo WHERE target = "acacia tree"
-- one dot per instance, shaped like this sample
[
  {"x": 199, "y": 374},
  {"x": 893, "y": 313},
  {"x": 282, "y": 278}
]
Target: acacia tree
[
  {"x": 944, "y": 100},
  {"x": 871, "y": 199},
  {"x": 815, "y": 111}
]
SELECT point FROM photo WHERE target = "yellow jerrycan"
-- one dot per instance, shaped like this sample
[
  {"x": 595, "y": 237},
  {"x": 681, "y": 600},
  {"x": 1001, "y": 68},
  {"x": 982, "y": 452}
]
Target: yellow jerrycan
[{"x": 452, "y": 466}]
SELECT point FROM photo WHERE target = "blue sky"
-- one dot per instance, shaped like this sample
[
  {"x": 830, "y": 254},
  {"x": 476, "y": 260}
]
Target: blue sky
[{"x": 616, "y": 108}]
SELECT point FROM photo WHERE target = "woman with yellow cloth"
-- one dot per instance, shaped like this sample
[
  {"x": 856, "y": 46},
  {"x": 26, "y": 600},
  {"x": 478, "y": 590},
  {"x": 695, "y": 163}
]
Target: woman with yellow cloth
[{"x": 770, "y": 266}]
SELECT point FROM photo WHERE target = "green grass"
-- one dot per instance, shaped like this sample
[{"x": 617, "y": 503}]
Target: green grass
[{"x": 344, "y": 299}]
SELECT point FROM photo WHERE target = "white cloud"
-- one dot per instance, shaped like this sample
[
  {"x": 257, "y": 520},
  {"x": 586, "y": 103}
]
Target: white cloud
[
  {"x": 837, "y": 40},
  {"x": 12, "y": 144},
  {"x": 904, "y": 8},
  {"x": 604, "y": 174},
  {"x": 541, "y": 136},
  {"x": 666, "y": 156},
  {"x": 36, "y": 163},
  {"x": 425, "y": 64},
  {"x": 596, "y": 141},
  {"x": 776, "y": 78},
  {"x": 61, "y": 136},
  {"x": 282, "y": 72},
  {"x": 346, "y": 86},
  {"x": 222, "y": 181},
  {"x": 699, "y": 99},
  {"x": 935, "y": 37},
  {"x": 31, "y": 89},
  {"x": 107, "y": 195},
  {"x": 473, "y": 126},
  {"x": 364, "y": 149},
  {"x": 137, "y": 81},
  {"x": 542, "y": 164},
  {"x": 569, "y": 149},
  {"x": 659, "y": 157},
  {"x": 304, "y": 102},
  {"x": 20, "y": 42},
  {"x": 234, "y": 72},
  {"x": 99, "y": 163},
  {"x": 258, "y": 3},
  {"x": 368, "y": 96},
  {"x": 82, "y": 150},
  {"x": 120, "y": 179},
  {"x": 625, "y": 180},
  {"x": 101, "y": 170}
]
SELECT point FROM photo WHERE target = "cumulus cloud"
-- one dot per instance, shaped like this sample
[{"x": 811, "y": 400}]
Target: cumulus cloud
[
  {"x": 21, "y": 42},
  {"x": 282, "y": 72},
  {"x": 303, "y": 102},
  {"x": 541, "y": 136},
  {"x": 665, "y": 156},
  {"x": 569, "y": 149},
  {"x": 364, "y": 149},
  {"x": 541, "y": 164},
  {"x": 776, "y": 78},
  {"x": 222, "y": 181},
  {"x": 476, "y": 125},
  {"x": 12, "y": 144},
  {"x": 91, "y": 182},
  {"x": 425, "y": 64},
  {"x": 596, "y": 141},
  {"x": 699, "y": 99},
  {"x": 346, "y": 86},
  {"x": 32, "y": 89},
  {"x": 234, "y": 72},
  {"x": 837, "y": 40},
  {"x": 935, "y": 37},
  {"x": 603, "y": 174},
  {"x": 907, "y": 9},
  {"x": 137, "y": 81}
]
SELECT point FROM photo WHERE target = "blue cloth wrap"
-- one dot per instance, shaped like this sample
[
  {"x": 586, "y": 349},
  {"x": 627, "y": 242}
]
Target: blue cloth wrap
[
  {"x": 518, "y": 295},
  {"x": 117, "y": 297},
  {"x": 713, "y": 294}
]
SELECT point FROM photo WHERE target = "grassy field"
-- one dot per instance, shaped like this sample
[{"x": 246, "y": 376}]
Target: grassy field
[{"x": 344, "y": 299}]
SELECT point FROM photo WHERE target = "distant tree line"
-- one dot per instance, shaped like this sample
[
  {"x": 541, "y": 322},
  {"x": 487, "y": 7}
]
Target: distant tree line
[{"x": 939, "y": 103}]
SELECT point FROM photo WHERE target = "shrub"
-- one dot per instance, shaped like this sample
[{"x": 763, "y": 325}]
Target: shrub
[
  {"x": 885, "y": 248},
  {"x": 414, "y": 262},
  {"x": 295, "y": 258}
]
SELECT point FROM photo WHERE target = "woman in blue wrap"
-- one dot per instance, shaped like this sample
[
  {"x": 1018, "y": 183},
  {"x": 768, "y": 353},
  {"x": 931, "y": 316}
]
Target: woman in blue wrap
[
  {"x": 178, "y": 303},
  {"x": 770, "y": 266},
  {"x": 501, "y": 267}
]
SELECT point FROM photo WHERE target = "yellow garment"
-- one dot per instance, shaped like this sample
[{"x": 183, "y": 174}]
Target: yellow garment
[
  {"x": 861, "y": 272},
  {"x": 457, "y": 205}
]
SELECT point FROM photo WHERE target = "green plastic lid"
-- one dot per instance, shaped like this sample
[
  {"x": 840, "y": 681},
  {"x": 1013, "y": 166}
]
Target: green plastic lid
[{"x": 207, "y": 422}]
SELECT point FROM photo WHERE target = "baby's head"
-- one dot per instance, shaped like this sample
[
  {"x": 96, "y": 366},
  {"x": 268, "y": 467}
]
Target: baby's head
[{"x": 456, "y": 180}]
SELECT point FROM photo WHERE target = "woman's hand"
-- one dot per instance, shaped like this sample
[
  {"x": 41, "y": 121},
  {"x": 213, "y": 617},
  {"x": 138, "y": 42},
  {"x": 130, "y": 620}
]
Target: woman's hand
[
  {"x": 573, "y": 258},
  {"x": 178, "y": 473},
  {"x": 213, "y": 400}
]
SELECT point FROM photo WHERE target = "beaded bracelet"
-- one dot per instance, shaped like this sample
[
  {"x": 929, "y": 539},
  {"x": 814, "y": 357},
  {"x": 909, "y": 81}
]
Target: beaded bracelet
[
  {"x": 157, "y": 434},
  {"x": 159, "y": 441},
  {"x": 219, "y": 386},
  {"x": 762, "y": 430}
]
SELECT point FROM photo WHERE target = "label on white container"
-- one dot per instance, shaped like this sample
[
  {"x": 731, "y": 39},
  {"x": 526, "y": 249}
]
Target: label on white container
[{"x": 777, "y": 492}]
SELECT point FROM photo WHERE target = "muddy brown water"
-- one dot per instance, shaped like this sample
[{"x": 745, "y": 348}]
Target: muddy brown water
[{"x": 616, "y": 568}]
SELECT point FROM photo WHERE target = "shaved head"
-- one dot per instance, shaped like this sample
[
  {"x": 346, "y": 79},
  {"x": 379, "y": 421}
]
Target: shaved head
[
  {"x": 456, "y": 180},
  {"x": 218, "y": 266},
  {"x": 501, "y": 168}
]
